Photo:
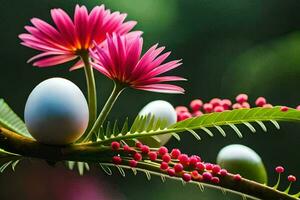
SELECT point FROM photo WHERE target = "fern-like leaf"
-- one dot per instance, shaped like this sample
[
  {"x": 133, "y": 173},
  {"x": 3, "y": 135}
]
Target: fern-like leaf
[
  {"x": 10, "y": 120},
  {"x": 207, "y": 122}
]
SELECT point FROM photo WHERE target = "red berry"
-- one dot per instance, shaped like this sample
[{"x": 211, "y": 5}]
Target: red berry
[
  {"x": 208, "y": 166},
  {"x": 215, "y": 180},
  {"x": 284, "y": 108},
  {"x": 166, "y": 158},
  {"x": 117, "y": 160},
  {"x": 194, "y": 159},
  {"x": 197, "y": 113},
  {"x": 175, "y": 153},
  {"x": 216, "y": 169},
  {"x": 132, "y": 163},
  {"x": 184, "y": 159},
  {"x": 215, "y": 102},
  {"x": 218, "y": 109},
  {"x": 137, "y": 156},
  {"x": 237, "y": 177},
  {"x": 241, "y": 98},
  {"x": 162, "y": 150},
  {"x": 127, "y": 148},
  {"x": 279, "y": 169},
  {"x": 115, "y": 145},
  {"x": 245, "y": 105},
  {"x": 145, "y": 149},
  {"x": 226, "y": 103},
  {"x": 186, "y": 177},
  {"x": 298, "y": 107},
  {"x": 260, "y": 101},
  {"x": 292, "y": 178},
  {"x": 195, "y": 174},
  {"x": 178, "y": 167},
  {"x": 207, "y": 176},
  {"x": 180, "y": 109},
  {"x": 268, "y": 105},
  {"x": 138, "y": 144},
  {"x": 223, "y": 172},
  {"x": 237, "y": 106},
  {"x": 164, "y": 166},
  {"x": 200, "y": 166},
  {"x": 152, "y": 155},
  {"x": 196, "y": 104},
  {"x": 183, "y": 116},
  {"x": 171, "y": 172},
  {"x": 208, "y": 107}
]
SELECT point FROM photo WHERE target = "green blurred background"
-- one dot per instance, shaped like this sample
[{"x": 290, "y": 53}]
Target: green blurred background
[{"x": 227, "y": 47}]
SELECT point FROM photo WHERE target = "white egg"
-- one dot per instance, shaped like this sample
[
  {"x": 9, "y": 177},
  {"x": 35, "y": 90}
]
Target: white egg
[
  {"x": 243, "y": 160},
  {"x": 162, "y": 110},
  {"x": 56, "y": 112}
]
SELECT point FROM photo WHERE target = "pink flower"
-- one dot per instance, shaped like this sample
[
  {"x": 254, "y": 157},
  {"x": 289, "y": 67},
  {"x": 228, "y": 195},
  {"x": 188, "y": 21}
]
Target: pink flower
[
  {"x": 70, "y": 38},
  {"x": 120, "y": 60}
]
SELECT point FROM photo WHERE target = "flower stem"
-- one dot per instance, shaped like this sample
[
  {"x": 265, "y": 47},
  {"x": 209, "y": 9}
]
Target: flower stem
[
  {"x": 91, "y": 87},
  {"x": 118, "y": 88}
]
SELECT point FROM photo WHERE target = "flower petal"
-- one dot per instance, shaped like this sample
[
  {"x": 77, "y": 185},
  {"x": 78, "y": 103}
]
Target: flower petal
[
  {"x": 79, "y": 64},
  {"x": 54, "y": 60},
  {"x": 162, "y": 88}
]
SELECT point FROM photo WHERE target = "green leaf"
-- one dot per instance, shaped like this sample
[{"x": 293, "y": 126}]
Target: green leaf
[
  {"x": 81, "y": 166},
  {"x": 207, "y": 122},
  {"x": 10, "y": 120},
  {"x": 150, "y": 168}
]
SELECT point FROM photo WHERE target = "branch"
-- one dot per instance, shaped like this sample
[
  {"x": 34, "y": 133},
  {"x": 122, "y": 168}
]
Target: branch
[{"x": 15, "y": 143}]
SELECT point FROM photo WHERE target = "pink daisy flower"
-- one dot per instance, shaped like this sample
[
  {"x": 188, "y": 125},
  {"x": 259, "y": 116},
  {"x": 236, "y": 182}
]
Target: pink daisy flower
[
  {"x": 70, "y": 38},
  {"x": 119, "y": 58}
]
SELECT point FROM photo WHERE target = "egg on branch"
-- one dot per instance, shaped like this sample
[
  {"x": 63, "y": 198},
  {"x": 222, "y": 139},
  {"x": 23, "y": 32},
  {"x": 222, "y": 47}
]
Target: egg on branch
[{"x": 56, "y": 112}]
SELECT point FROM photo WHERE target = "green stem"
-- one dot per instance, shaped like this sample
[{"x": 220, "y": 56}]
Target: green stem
[
  {"x": 91, "y": 87},
  {"x": 18, "y": 144},
  {"x": 118, "y": 88}
]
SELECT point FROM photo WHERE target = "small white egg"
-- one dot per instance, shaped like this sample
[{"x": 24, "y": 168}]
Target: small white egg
[
  {"x": 56, "y": 112},
  {"x": 162, "y": 110}
]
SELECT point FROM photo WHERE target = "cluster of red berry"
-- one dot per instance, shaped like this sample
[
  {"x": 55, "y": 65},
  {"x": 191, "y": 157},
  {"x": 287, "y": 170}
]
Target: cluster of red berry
[
  {"x": 198, "y": 108},
  {"x": 173, "y": 163},
  {"x": 290, "y": 178}
]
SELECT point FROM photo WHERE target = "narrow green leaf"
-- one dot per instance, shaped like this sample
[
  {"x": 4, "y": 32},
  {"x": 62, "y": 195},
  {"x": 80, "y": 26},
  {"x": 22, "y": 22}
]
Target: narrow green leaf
[
  {"x": 163, "y": 178},
  {"x": 122, "y": 172},
  {"x": 14, "y": 164},
  {"x": 264, "y": 128},
  {"x": 10, "y": 120},
  {"x": 250, "y": 126},
  {"x": 4, "y": 166},
  {"x": 106, "y": 169},
  {"x": 221, "y": 130},
  {"x": 80, "y": 167},
  {"x": 101, "y": 135},
  {"x": 125, "y": 127},
  {"x": 194, "y": 134},
  {"x": 135, "y": 124},
  {"x": 108, "y": 131},
  {"x": 148, "y": 175},
  {"x": 207, "y": 131},
  {"x": 70, "y": 164},
  {"x": 275, "y": 124},
  {"x": 238, "y": 132},
  {"x": 176, "y": 136},
  {"x": 151, "y": 123},
  {"x": 157, "y": 124},
  {"x": 86, "y": 166},
  {"x": 116, "y": 128}
]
